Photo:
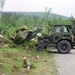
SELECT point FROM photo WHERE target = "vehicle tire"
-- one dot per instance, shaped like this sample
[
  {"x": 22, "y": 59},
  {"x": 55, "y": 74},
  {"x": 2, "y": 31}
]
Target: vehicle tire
[{"x": 64, "y": 47}]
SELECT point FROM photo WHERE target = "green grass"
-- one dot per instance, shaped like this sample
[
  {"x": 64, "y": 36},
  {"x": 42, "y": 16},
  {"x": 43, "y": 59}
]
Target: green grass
[{"x": 12, "y": 61}]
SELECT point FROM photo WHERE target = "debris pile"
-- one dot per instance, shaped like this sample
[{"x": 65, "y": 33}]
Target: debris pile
[
  {"x": 3, "y": 42},
  {"x": 19, "y": 37}
]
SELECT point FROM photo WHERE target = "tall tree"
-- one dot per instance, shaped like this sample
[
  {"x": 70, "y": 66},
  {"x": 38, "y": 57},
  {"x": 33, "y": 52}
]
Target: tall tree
[
  {"x": 2, "y": 2},
  {"x": 47, "y": 11}
]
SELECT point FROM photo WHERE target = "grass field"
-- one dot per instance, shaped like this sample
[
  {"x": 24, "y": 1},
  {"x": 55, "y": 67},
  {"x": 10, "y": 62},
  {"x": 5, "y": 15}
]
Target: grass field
[{"x": 11, "y": 62}]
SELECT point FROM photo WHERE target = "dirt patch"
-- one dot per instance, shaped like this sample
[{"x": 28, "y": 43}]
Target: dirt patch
[
  {"x": 15, "y": 69},
  {"x": 10, "y": 55}
]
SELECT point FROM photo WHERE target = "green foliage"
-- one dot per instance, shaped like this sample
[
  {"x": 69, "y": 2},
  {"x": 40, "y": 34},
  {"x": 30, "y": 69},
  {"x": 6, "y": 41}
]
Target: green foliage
[
  {"x": 12, "y": 59},
  {"x": 12, "y": 21}
]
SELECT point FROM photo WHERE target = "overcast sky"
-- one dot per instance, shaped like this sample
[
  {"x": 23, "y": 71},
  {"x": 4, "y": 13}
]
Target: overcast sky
[{"x": 62, "y": 7}]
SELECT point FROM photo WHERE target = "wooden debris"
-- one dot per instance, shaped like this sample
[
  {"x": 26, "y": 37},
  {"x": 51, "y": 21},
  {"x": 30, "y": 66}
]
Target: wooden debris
[
  {"x": 5, "y": 46},
  {"x": 3, "y": 42},
  {"x": 1, "y": 36},
  {"x": 22, "y": 29},
  {"x": 26, "y": 64},
  {"x": 1, "y": 64},
  {"x": 3, "y": 74},
  {"x": 26, "y": 47},
  {"x": 38, "y": 57}
]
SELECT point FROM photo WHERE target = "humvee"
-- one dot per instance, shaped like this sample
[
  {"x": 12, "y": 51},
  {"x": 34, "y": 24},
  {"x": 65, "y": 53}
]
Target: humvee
[{"x": 62, "y": 38}]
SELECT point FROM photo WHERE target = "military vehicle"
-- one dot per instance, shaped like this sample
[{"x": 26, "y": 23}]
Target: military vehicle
[{"x": 62, "y": 38}]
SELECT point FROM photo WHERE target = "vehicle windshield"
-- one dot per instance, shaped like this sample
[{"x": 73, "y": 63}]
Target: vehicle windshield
[
  {"x": 58, "y": 29},
  {"x": 66, "y": 29}
]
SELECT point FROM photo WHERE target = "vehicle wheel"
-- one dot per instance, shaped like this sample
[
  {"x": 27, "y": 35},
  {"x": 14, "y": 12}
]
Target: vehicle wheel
[
  {"x": 64, "y": 47},
  {"x": 45, "y": 47}
]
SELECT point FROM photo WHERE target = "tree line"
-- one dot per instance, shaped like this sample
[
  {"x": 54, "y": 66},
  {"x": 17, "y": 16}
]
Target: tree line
[{"x": 10, "y": 21}]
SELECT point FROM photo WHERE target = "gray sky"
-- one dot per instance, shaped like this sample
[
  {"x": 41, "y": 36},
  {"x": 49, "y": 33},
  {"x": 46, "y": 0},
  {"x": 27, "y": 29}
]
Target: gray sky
[{"x": 62, "y": 7}]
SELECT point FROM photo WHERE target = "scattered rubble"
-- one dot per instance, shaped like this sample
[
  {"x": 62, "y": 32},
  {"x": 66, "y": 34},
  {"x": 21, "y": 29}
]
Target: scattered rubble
[
  {"x": 26, "y": 64},
  {"x": 38, "y": 57},
  {"x": 1, "y": 64},
  {"x": 3, "y": 74},
  {"x": 3, "y": 42}
]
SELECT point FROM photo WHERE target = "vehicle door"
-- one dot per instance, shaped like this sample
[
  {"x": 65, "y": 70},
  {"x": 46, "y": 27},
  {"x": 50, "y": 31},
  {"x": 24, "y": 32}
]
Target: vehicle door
[
  {"x": 57, "y": 34},
  {"x": 66, "y": 33}
]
